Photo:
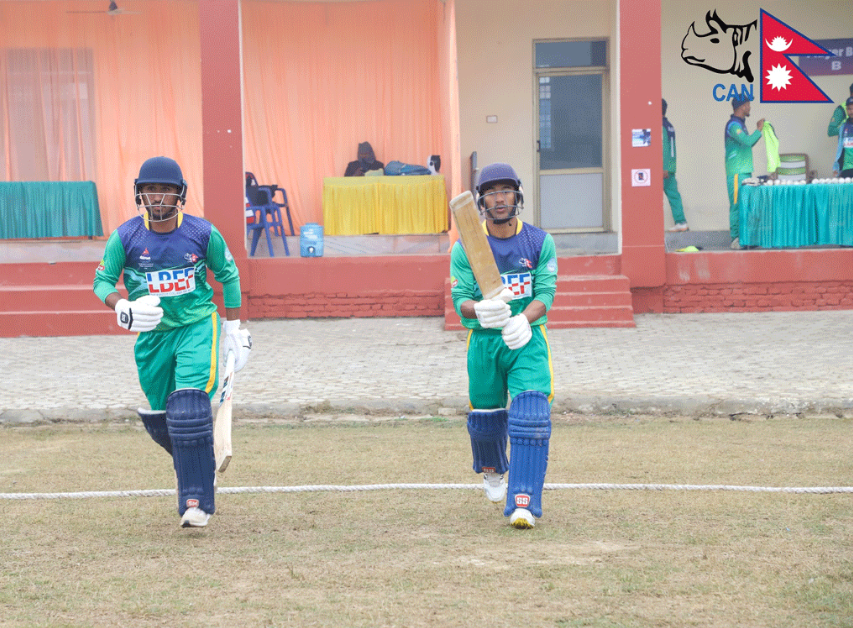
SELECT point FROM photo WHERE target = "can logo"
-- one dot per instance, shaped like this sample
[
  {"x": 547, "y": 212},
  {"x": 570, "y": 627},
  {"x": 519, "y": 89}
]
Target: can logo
[{"x": 522, "y": 500}]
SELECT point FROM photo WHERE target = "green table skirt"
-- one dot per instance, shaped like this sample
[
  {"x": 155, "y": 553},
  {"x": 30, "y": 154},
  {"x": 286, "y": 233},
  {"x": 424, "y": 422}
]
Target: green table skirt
[
  {"x": 779, "y": 216},
  {"x": 49, "y": 209}
]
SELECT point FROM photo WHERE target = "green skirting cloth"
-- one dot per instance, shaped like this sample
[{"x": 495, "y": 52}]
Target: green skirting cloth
[
  {"x": 780, "y": 216},
  {"x": 49, "y": 209}
]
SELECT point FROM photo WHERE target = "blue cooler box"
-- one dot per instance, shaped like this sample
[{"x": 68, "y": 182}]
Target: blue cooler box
[{"x": 311, "y": 240}]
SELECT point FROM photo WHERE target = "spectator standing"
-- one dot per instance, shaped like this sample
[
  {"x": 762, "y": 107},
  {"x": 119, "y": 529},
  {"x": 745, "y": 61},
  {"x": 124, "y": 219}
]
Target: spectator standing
[
  {"x": 843, "y": 165},
  {"x": 738, "y": 144},
  {"x": 670, "y": 186},
  {"x": 839, "y": 117}
]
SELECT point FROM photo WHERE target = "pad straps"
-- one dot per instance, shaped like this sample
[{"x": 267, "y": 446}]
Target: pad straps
[
  {"x": 529, "y": 428},
  {"x": 190, "y": 424},
  {"x": 487, "y": 429}
]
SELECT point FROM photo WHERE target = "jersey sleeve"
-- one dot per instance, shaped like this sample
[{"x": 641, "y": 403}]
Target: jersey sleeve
[
  {"x": 838, "y": 117},
  {"x": 839, "y": 154},
  {"x": 109, "y": 270},
  {"x": 545, "y": 273},
  {"x": 463, "y": 286},
  {"x": 221, "y": 262},
  {"x": 667, "y": 159},
  {"x": 736, "y": 132}
]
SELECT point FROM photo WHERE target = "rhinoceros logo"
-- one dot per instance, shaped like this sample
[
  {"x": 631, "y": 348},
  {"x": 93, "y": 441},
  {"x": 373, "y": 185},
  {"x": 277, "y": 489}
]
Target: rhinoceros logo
[{"x": 722, "y": 49}]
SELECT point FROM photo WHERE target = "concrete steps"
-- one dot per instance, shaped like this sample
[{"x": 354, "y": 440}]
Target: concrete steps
[
  {"x": 56, "y": 299},
  {"x": 53, "y": 300},
  {"x": 597, "y": 296}
]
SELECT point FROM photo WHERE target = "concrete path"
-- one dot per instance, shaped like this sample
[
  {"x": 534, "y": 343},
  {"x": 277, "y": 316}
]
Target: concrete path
[{"x": 686, "y": 364}]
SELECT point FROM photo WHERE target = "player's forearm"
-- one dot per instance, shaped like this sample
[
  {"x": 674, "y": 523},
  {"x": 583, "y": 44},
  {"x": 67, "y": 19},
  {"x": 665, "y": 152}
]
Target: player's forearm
[
  {"x": 232, "y": 313},
  {"x": 535, "y": 310},
  {"x": 466, "y": 309},
  {"x": 111, "y": 300}
]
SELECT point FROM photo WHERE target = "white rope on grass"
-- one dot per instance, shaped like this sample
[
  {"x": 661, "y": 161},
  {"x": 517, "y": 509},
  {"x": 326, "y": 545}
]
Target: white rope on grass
[{"x": 319, "y": 488}]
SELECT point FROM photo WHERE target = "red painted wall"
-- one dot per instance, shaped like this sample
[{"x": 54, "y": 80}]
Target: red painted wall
[
  {"x": 752, "y": 281},
  {"x": 346, "y": 286},
  {"x": 642, "y": 227}
]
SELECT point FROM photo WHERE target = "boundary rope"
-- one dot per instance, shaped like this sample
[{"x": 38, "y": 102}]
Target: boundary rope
[{"x": 317, "y": 488}]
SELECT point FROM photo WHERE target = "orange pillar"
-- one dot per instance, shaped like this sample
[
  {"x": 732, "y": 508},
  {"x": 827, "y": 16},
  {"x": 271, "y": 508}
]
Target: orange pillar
[
  {"x": 222, "y": 123},
  {"x": 643, "y": 246}
]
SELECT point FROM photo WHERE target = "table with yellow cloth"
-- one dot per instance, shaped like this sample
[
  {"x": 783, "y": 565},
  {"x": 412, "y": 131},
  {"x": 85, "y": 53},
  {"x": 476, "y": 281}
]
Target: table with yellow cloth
[{"x": 395, "y": 205}]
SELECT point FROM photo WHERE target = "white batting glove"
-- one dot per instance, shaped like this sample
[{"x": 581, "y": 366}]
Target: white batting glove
[
  {"x": 495, "y": 312},
  {"x": 517, "y": 332},
  {"x": 140, "y": 315},
  {"x": 238, "y": 341}
]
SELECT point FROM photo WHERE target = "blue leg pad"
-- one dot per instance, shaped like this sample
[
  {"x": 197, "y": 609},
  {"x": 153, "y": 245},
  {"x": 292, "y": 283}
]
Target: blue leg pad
[
  {"x": 155, "y": 424},
  {"x": 529, "y": 430},
  {"x": 190, "y": 424},
  {"x": 487, "y": 429}
]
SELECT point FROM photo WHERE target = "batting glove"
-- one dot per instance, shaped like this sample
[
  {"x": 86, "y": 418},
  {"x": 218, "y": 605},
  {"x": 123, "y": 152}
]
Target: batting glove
[
  {"x": 517, "y": 332},
  {"x": 140, "y": 315},
  {"x": 495, "y": 312},
  {"x": 238, "y": 341}
]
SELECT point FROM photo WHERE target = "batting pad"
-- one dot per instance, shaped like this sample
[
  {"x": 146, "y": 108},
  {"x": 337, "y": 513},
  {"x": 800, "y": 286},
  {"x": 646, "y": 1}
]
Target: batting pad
[
  {"x": 529, "y": 430},
  {"x": 155, "y": 424},
  {"x": 487, "y": 429},
  {"x": 191, "y": 428}
]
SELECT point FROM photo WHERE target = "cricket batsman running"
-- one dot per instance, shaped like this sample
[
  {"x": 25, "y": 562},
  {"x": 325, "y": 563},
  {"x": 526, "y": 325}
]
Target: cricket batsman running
[
  {"x": 508, "y": 352},
  {"x": 165, "y": 255}
]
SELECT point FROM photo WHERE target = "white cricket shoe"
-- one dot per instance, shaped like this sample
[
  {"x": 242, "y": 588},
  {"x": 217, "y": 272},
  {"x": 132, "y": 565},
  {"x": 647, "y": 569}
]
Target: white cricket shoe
[
  {"x": 522, "y": 519},
  {"x": 194, "y": 518},
  {"x": 495, "y": 487}
]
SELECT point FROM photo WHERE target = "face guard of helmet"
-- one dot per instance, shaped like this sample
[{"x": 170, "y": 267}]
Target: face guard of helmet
[
  {"x": 499, "y": 188},
  {"x": 160, "y": 189}
]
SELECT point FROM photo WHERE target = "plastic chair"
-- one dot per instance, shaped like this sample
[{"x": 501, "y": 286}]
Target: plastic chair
[
  {"x": 267, "y": 215},
  {"x": 251, "y": 180}
]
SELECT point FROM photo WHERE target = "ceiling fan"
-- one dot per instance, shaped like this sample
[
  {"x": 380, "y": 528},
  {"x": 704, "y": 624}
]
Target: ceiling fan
[{"x": 112, "y": 10}]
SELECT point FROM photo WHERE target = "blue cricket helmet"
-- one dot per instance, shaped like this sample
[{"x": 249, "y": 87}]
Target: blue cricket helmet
[
  {"x": 497, "y": 173},
  {"x": 160, "y": 170},
  {"x": 492, "y": 175}
]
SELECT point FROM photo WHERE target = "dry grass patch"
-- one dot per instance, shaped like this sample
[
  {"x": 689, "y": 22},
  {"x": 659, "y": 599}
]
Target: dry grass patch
[{"x": 434, "y": 557}]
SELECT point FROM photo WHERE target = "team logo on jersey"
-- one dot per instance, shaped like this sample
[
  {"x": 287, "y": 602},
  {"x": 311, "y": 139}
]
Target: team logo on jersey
[
  {"x": 453, "y": 282},
  {"x": 521, "y": 284},
  {"x": 191, "y": 257},
  {"x": 526, "y": 263},
  {"x": 522, "y": 500},
  {"x": 145, "y": 255},
  {"x": 100, "y": 266},
  {"x": 171, "y": 283}
]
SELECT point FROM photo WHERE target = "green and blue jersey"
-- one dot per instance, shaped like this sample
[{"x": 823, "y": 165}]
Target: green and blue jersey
[
  {"x": 739, "y": 145},
  {"x": 844, "y": 154},
  {"x": 527, "y": 262},
  {"x": 172, "y": 266}
]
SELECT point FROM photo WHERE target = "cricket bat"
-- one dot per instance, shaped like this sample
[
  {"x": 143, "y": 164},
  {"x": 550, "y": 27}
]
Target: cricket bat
[
  {"x": 476, "y": 245},
  {"x": 222, "y": 428}
]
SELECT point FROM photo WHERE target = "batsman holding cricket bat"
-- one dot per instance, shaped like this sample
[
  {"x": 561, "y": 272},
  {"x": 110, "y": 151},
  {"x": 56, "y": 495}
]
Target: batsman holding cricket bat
[
  {"x": 165, "y": 255},
  {"x": 508, "y": 353}
]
